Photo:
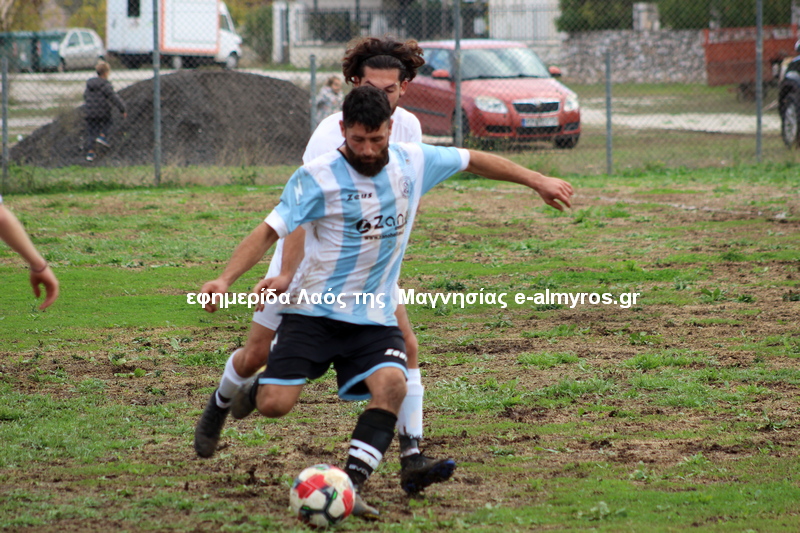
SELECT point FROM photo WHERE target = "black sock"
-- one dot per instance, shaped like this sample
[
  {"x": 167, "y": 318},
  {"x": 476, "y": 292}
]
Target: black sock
[{"x": 371, "y": 438}]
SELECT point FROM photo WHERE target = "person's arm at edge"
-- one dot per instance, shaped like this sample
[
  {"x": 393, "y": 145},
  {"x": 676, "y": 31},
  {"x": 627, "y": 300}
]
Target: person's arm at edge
[
  {"x": 249, "y": 252},
  {"x": 552, "y": 190},
  {"x": 13, "y": 233}
]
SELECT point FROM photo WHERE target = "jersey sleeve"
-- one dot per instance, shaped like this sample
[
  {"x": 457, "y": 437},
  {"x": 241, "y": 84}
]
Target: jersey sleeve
[
  {"x": 440, "y": 163},
  {"x": 302, "y": 201}
]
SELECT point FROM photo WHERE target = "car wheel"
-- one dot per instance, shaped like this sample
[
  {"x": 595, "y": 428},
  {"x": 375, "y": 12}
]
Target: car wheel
[
  {"x": 176, "y": 62},
  {"x": 231, "y": 62},
  {"x": 790, "y": 116},
  {"x": 567, "y": 142}
]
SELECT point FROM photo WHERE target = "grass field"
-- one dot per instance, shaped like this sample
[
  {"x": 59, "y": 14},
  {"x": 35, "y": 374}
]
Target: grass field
[{"x": 680, "y": 411}]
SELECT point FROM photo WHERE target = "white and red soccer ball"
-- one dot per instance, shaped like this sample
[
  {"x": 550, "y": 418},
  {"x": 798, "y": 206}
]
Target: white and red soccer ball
[{"x": 322, "y": 495}]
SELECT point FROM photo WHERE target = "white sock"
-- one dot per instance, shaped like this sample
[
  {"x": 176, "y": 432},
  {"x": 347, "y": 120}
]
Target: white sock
[
  {"x": 229, "y": 383},
  {"x": 409, "y": 419}
]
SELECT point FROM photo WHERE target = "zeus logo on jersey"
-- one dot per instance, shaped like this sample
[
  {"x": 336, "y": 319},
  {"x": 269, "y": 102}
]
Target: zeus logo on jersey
[
  {"x": 381, "y": 222},
  {"x": 358, "y": 196}
]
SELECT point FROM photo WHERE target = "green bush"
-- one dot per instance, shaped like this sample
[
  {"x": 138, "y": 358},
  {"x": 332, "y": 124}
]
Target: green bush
[
  {"x": 592, "y": 15},
  {"x": 257, "y": 32}
]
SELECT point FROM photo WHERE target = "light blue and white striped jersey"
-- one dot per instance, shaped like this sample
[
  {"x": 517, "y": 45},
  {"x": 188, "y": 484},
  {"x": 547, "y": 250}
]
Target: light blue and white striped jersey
[{"x": 358, "y": 229}]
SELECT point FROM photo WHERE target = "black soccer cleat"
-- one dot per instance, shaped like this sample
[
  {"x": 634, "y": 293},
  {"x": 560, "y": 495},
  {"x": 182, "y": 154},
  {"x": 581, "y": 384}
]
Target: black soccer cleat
[
  {"x": 209, "y": 427},
  {"x": 243, "y": 402},
  {"x": 418, "y": 472}
]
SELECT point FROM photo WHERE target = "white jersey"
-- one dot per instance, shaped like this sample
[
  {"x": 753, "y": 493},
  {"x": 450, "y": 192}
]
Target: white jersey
[
  {"x": 357, "y": 229},
  {"x": 328, "y": 137}
]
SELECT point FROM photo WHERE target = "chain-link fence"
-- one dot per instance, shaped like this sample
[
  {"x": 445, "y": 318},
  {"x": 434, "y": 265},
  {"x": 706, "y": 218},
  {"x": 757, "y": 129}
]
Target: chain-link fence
[{"x": 684, "y": 88}]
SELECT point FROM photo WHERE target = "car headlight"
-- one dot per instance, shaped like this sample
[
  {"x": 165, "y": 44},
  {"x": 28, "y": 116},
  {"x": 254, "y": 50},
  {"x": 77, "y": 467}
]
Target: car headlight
[
  {"x": 490, "y": 104},
  {"x": 571, "y": 103}
]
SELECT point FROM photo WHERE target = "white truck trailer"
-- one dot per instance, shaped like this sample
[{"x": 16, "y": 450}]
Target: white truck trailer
[{"x": 191, "y": 33}]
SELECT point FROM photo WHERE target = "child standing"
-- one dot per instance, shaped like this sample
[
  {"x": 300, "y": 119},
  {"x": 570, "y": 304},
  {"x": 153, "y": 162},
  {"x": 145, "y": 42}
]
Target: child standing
[
  {"x": 329, "y": 99},
  {"x": 98, "y": 97}
]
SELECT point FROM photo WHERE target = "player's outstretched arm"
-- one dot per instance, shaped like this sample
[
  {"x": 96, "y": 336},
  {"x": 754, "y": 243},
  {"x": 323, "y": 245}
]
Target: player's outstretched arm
[
  {"x": 249, "y": 252},
  {"x": 555, "y": 192}
]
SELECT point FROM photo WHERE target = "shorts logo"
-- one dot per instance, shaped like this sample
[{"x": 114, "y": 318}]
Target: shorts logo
[{"x": 396, "y": 353}]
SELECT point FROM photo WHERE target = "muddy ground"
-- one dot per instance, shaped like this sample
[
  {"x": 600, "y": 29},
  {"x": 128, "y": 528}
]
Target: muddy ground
[{"x": 254, "y": 478}]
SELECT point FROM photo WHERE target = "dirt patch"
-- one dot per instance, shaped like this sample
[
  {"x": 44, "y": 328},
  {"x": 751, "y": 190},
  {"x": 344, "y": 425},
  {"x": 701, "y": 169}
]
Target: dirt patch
[
  {"x": 518, "y": 455},
  {"x": 208, "y": 118}
]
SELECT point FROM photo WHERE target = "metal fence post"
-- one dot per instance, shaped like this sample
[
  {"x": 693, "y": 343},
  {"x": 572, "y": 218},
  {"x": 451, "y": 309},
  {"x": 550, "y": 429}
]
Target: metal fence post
[
  {"x": 156, "y": 97},
  {"x": 609, "y": 152},
  {"x": 759, "y": 75},
  {"x": 5, "y": 122},
  {"x": 459, "y": 131},
  {"x": 312, "y": 90}
]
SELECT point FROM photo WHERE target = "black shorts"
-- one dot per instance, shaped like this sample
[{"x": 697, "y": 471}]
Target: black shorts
[{"x": 305, "y": 346}]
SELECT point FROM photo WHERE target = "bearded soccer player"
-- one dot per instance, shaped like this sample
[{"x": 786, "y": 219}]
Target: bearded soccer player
[
  {"x": 388, "y": 65},
  {"x": 360, "y": 340}
]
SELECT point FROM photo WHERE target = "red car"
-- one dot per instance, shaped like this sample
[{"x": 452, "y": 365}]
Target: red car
[{"x": 506, "y": 93}]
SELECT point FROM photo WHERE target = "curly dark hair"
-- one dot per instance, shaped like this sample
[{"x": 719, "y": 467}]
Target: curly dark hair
[{"x": 382, "y": 54}]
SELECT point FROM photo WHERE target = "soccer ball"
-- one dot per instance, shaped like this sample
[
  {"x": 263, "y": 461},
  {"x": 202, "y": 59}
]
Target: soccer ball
[{"x": 322, "y": 495}]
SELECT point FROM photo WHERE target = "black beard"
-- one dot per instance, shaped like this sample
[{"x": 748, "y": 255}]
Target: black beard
[{"x": 367, "y": 168}]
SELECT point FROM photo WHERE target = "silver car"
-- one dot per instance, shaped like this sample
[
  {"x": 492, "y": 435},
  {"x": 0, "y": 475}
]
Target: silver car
[{"x": 80, "y": 48}]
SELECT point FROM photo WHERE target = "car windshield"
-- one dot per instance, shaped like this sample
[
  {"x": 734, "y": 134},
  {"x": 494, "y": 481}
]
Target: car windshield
[{"x": 483, "y": 63}]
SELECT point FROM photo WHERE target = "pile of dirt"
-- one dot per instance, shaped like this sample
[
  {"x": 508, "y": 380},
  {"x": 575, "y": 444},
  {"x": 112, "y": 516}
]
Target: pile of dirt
[{"x": 209, "y": 117}]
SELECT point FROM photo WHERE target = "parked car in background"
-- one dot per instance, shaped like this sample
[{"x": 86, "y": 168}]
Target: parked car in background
[
  {"x": 81, "y": 48},
  {"x": 789, "y": 100},
  {"x": 506, "y": 93}
]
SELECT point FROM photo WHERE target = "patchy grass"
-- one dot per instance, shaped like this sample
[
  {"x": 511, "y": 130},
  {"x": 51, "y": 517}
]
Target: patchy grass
[{"x": 677, "y": 411}]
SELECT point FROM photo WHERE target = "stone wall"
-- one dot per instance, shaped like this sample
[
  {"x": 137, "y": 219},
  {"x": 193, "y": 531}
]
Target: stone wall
[{"x": 663, "y": 56}]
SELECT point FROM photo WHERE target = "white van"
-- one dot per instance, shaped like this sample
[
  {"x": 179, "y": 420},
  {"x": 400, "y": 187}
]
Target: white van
[{"x": 191, "y": 32}]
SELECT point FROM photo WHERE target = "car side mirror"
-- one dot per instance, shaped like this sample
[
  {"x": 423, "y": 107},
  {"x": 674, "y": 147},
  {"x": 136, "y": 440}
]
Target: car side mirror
[
  {"x": 555, "y": 72},
  {"x": 440, "y": 74}
]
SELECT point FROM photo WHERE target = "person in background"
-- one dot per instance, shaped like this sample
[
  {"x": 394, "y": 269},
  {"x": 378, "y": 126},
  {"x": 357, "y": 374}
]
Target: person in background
[
  {"x": 98, "y": 98},
  {"x": 329, "y": 99}
]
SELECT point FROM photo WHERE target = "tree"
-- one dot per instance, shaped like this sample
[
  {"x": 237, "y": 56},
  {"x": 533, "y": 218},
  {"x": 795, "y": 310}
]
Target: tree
[
  {"x": 90, "y": 14},
  {"x": 257, "y": 31},
  {"x": 700, "y": 14},
  {"x": 588, "y": 15},
  {"x": 20, "y": 14}
]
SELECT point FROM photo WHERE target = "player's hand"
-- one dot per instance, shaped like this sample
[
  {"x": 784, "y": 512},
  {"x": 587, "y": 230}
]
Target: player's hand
[
  {"x": 555, "y": 190},
  {"x": 210, "y": 288},
  {"x": 278, "y": 285},
  {"x": 48, "y": 279}
]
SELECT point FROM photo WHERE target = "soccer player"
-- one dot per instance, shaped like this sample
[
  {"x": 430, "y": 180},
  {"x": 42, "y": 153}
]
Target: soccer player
[
  {"x": 388, "y": 65},
  {"x": 359, "y": 203},
  {"x": 13, "y": 234}
]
